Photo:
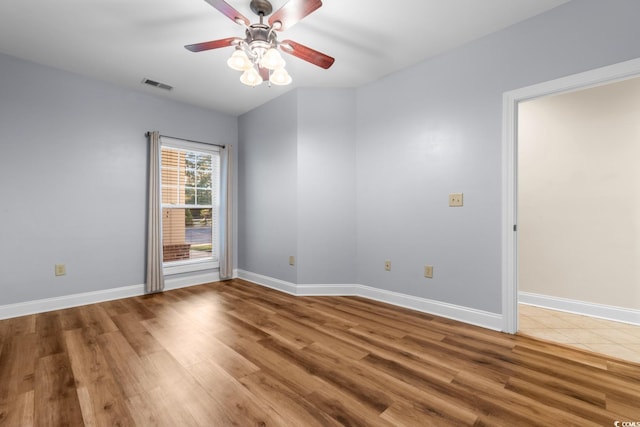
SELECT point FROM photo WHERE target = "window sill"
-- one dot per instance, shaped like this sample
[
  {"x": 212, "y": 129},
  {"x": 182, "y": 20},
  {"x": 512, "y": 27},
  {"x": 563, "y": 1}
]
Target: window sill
[{"x": 172, "y": 268}]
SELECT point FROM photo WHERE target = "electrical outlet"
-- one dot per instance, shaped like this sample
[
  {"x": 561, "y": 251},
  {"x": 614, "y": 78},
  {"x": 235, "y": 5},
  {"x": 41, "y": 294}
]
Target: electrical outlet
[
  {"x": 455, "y": 199},
  {"x": 387, "y": 265},
  {"x": 292, "y": 260},
  {"x": 60, "y": 269},
  {"x": 428, "y": 271}
]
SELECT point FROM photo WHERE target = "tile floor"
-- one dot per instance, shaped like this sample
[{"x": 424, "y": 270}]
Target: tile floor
[{"x": 602, "y": 336}]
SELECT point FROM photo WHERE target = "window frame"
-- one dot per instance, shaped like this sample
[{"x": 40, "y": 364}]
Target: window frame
[{"x": 195, "y": 265}]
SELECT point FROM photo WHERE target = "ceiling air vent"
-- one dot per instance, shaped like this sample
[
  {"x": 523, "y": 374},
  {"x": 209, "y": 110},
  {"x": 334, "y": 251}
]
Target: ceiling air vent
[{"x": 157, "y": 84}]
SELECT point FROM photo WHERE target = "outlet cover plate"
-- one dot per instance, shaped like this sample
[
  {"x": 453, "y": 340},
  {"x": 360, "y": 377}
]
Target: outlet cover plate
[
  {"x": 428, "y": 271},
  {"x": 60, "y": 270},
  {"x": 455, "y": 199}
]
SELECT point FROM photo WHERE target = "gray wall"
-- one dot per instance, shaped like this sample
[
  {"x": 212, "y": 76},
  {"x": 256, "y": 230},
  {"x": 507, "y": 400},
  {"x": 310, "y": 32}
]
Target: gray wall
[
  {"x": 297, "y": 182},
  {"x": 267, "y": 188},
  {"x": 326, "y": 186},
  {"x": 434, "y": 129},
  {"x": 73, "y": 165}
]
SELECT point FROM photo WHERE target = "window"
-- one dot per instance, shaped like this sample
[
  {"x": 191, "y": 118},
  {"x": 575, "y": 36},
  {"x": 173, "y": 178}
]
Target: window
[{"x": 190, "y": 188}]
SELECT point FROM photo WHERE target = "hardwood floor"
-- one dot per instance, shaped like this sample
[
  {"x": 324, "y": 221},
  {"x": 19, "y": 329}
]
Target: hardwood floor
[{"x": 234, "y": 353}]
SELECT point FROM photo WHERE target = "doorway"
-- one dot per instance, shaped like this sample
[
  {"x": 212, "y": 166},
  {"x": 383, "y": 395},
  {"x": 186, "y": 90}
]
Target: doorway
[{"x": 569, "y": 92}]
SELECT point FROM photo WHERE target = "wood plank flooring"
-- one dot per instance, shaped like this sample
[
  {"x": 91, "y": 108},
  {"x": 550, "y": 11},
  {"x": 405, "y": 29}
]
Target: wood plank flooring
[{"x": 234, "y": 353}]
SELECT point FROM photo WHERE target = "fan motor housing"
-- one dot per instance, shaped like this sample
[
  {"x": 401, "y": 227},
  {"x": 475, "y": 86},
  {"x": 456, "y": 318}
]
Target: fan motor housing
[
  {"x": 261, "y": 7},
  {"x": 260, "y": 33},
  {"x": 260, "y": 38}
]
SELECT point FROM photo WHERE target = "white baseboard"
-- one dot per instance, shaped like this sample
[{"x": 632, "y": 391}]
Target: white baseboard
[
  {"x": 463, "y": 314},
  {"x": 609, "y": 312},
  {"x": 336, "y": 290},
  {"x": 472, "y": 316},
  {"x": 67, "y": 301},
  {"x": 75, "y": 300},
  {"x": 269, "y": 282}
]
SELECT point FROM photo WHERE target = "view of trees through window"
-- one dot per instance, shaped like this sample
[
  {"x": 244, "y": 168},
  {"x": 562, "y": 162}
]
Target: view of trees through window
[{"x": 188, "y": 202}]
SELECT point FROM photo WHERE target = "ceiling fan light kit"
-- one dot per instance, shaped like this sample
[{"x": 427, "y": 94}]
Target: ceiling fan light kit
[
  {"x": 272, "y": 60},
  {"x": 257, "y": 56},
  {"x": 280, "y": 77},
  {"x": 251, "y": 77},
  {"x": 239, "y": 61}
]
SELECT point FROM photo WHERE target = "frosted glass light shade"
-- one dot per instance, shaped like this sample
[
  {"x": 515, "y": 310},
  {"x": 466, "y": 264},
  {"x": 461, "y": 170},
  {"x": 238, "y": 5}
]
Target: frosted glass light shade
[
  {"x": 280, "y": 77},
  {"x": 239, "y": 61},
  {"x": 251, "y": 77},
  {"x": 272, "y": 60}
]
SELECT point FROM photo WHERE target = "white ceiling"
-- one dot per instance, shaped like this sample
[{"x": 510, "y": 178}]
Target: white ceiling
[{"x": 124, "y": 41}]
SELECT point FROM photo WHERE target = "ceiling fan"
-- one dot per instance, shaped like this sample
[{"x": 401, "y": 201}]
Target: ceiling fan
[{"x": 257, "y": 55}]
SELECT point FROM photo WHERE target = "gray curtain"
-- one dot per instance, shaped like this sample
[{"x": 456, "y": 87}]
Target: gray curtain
[
  {"x": 226, "y": 213},
  {"x": 155, "y": 275}
]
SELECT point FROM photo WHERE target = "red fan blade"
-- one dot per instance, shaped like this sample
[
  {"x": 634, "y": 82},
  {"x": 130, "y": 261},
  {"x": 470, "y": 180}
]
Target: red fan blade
[
  {"x": 292, "y": 12},
  {"x": 214, "y": 44},
  {"x": 264, "y": 73},
  {"x": 307, "y": 54},
  {"x": 228, "y": 11}
]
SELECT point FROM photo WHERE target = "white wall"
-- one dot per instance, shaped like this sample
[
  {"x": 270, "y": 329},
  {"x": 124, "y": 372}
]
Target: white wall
[
  {"x": 73, "y": 165},
  {"x": 579, "y": 195}
]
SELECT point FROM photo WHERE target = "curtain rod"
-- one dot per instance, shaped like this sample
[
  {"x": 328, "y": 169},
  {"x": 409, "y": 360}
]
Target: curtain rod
[{"x": 189, "y": 140}]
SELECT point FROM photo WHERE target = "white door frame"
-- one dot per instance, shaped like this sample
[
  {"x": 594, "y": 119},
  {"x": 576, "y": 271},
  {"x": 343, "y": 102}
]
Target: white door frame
[{"x": 510, "y": 100}]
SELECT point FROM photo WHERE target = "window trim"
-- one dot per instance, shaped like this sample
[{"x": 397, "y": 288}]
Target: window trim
[{"x": 195, "y": 265}]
